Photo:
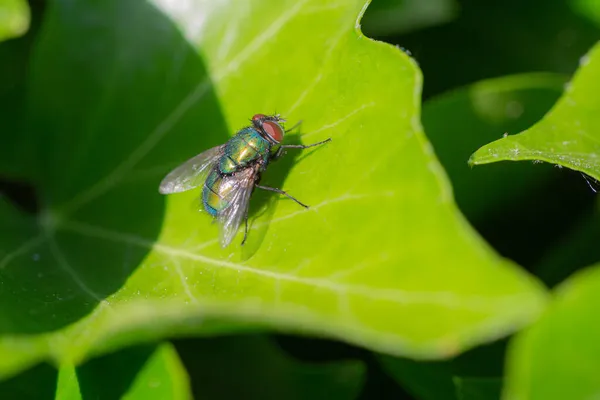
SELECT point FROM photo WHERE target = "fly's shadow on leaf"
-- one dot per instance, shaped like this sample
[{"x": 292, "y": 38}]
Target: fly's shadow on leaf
[
  {"x": 115, "y": 102},
  {"x": 263, "y": 203}
]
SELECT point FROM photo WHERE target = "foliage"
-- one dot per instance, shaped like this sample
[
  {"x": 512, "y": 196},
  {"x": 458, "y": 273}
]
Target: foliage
[
  {"x": 14, "y": 18},
  {"x": 567, "y": 135},
  {"x": 559, "y": 356},
  {"x": 418, "y": 266}
]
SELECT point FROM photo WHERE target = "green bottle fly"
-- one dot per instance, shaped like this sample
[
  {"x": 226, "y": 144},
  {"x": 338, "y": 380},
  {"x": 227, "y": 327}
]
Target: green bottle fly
[{"x": 230, "y": 172}]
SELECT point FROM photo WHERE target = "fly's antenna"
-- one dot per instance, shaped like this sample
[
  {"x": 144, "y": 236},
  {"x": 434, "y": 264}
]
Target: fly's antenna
[{"x": 297, "y": 124}]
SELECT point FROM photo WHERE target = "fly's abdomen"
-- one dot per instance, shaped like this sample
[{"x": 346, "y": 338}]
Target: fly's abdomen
[
  {"x": 243, "y": 149},
  {"x": 210, "y": 198},
  {"x": 217, "y": 192}
]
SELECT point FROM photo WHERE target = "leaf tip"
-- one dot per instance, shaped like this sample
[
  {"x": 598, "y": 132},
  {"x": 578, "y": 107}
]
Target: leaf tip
[{"x": 472, "y": 161}]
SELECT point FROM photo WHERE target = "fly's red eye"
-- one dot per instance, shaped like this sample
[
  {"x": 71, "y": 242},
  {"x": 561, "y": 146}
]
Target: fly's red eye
[
  {"x": 258, "y": 117},
  {"x": 274, "y": 130}
]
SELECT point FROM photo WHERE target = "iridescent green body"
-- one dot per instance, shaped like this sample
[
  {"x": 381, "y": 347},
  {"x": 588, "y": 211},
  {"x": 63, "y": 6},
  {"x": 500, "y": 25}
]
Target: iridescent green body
[
  {"x": 216, "y": 192},
  {"x": 246, "y": 149}
]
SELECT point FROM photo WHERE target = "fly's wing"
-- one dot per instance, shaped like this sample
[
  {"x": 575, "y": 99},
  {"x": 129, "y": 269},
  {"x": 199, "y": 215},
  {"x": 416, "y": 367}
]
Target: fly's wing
[
  {"x": 191, "y": 173},
  {"x": 239, "y": 199}
]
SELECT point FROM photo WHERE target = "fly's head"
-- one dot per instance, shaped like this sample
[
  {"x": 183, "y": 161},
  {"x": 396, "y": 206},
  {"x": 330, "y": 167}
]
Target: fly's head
[{"x": 270, "y": 127}]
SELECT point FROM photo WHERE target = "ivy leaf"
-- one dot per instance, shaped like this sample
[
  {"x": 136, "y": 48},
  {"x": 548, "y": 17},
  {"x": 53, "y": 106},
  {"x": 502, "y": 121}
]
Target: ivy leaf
[
  {"x": 458, "y": 121},
  {"x": 14, "y": 18},
  {"x": 578, "y": 249},
  {"x": 393, "y": 17},
  {"x": 143, "y": 372},
  {"x": 478, "y": 388},
  {"x": 423, "y": 380},
  {"x": 567, "y": 136},
  {"x": 559, "y": 356},
  {"x": 255, "y": 368},
  {"x": 473, "y": 374},
  {"x": 120, "y": 93},
  {"x": 38, "y": 382}
]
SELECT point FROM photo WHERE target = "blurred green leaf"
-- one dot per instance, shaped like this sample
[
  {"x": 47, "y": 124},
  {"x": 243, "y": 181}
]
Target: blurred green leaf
[
  {"x": 559, "y": 356},
  {"x": 255, "y": 368},
  {"x": 118, "y": 97},
  {"x": 36, "y": 383},
  {"x": 423, "y": 380},
  {"x": 462, "y": 120},
  {"x": 14, "y": 18},
  {"x": 569, "y": 135},
  {"x": 15, "y": 153},
  {"x": 478, "y": 388},
  {"x": 495, "y": 38},
  {"x": 492, "y": 198},
  {"x": 467, "y": 374},
  {"x": 388, "y": 17},
  {"x": 587, "y": 8},
  {"x": 576, "y": 249},
  {"x": 146, "y": 372}
]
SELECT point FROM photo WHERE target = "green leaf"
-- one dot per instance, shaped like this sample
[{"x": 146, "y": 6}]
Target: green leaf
[
  {"x": 492, "y": 198},
  {"x": 463, "y": 376},
  {"x": 145, "y": 372},
  {"x": 38, "y": 382},
  {"x": 14, "y": 18},
  {"x": 568, "y": 135},
  {"x": 255, "y": 368},
  {"x": 578, "y": 248},
  {"x": 423, "y": 380},
  {"x": 559, "y": 356},
  {"x": 499, "y": 38},
  {"x": 120, "y": 93},
  {"x": 461, "y": 120},
  {"x": 392, "y": 17},
  {"x": 15, "y": 153},
  {"x": 478, "y": 388},
  {"x": 587, "y": 8}
]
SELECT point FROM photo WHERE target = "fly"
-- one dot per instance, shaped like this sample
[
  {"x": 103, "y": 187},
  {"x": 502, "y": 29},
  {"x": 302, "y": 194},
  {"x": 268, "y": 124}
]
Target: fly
[{"x": 229, "y": 173}]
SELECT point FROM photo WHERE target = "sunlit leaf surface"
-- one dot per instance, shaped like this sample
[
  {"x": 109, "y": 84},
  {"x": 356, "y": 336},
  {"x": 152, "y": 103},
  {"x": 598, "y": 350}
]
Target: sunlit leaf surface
[{"x": 121, "y": 92}]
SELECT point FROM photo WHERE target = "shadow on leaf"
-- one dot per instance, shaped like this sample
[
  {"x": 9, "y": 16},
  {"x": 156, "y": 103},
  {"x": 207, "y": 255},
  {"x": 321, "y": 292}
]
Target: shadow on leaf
[{"x": 117, "y": 97}]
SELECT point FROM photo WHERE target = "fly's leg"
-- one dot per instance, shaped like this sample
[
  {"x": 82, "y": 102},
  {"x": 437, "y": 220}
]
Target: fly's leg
[
  {"x": 283, "y": 193},
  {"x": 304, "y": 146},
  {"x": 245, "y": 229},
  {"x": 298, "y": 146},
  {"x": 246, "y": 219}
]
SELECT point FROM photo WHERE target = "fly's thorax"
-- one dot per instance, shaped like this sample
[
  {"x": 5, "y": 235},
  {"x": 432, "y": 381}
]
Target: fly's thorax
[{"x": 245, "y": 148}]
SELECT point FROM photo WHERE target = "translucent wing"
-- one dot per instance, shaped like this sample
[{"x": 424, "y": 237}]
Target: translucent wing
[
  {"x": 190, "y": 174},
  {"x": 238, "y": 197}
]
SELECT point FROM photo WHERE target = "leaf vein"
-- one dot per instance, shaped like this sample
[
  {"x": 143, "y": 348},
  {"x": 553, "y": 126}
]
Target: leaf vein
[{"x": 444, "y": 299}]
